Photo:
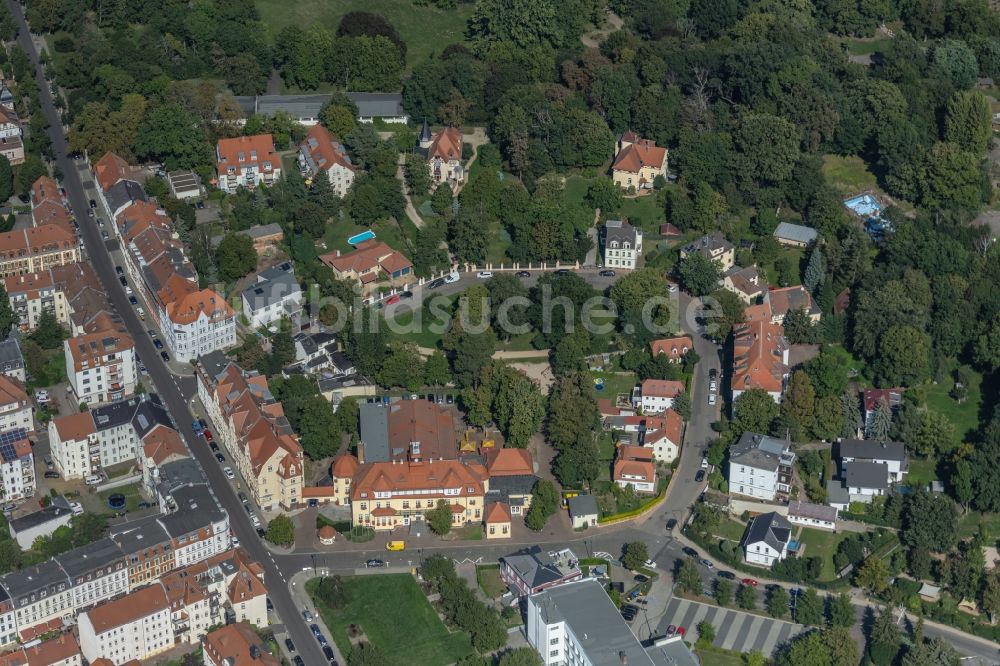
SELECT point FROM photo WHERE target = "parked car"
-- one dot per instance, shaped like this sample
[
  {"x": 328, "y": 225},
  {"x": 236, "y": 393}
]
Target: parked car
[
  {"x": 308, "y": 617},
  {"x": 406, "y": 294},
  {"x": 121, "y": 278},
  {"x": 243, "y": 498},
  {"x": 158, "y": 343},
  {"x": 451, "y": 277},
  {"x": 104, "y": 235},
  {"x": 133, "y": 300},
  {"x": 165, "y": 356},
  {"x": 297, "y": 660},
  {"x": 711, "y": 399},
  {"x": 728, "y": 575},
  {"x": 562, "y": 271},
  {"x": 221, "y": 458},
  {"x": 327, "y": 652},
  {"x": 228, "y": 471},
  {"x": 142, "y": 368},
  {"x": 434, "y": 284},
  {"x": 704, "y": 462},
  {"x": 51, "y": 474},
  {"x": 392, "y": 299},
  {"x": 671, "y": 287},
  {"x": 713, "y": 386},
  {"x": 196, "y": 426},
  {"x": 671, "y": 524},
  {"x": 289, "y": 645},
  {"x": 607, "y": 273},
  {"x": 261, "y": 532},
  {"x": 374, "y": 564},
  {"x": 749, "y": 581},
  {"x": 708, "y": 563},
  {"x": 700, "y": 476},
  {"x": 207, "y": 434},
  {"x": 93, "y": 204},
  {"x": 523, "y": 274},
  {"x": 690, "y": 552},
  {"x": 713, "y": 373},
  {"x": 119, "y": 270},
  {"x": 213, "y": 446},
  {"x": 484, "y": 275}
]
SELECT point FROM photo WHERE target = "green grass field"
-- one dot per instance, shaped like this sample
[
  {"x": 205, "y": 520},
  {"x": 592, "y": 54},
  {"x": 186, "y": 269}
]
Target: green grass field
[
  {"x": 396, "y": 617},
  {"x": 964, "y": 416},
  {"x": 426, "y": 30},
  {"x": 131, "y": 493},
  {"x": 867, "y": 46},
  {"x": 848, "y": 175},
  {"x": 922, "y": 472},
  {"x": 490, "y": 582},
  {"x": 644, "y": 212},
  {"x": 730, "y": 529},
  {"x": 615, "y": 384},
  {"x": 823, "y": 544}
]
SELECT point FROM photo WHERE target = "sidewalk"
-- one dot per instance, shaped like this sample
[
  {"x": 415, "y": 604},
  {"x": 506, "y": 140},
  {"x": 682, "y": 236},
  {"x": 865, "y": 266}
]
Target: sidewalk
[{"x": 297, "y": 586}]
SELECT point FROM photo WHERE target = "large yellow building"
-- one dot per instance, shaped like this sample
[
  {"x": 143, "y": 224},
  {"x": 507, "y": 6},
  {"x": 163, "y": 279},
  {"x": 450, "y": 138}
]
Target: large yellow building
[{"x": 638, "y": 162}]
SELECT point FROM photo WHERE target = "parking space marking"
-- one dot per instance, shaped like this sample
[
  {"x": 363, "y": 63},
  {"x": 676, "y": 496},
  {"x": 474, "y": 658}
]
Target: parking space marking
[{"x": 735, "y": 629}]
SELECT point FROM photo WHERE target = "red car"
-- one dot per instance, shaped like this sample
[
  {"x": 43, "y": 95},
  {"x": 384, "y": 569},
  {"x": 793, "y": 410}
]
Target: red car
[
  {"x": 208, "y": 435},
  {"x": 750, "y": 581},
  {"x": 681, "y": 631},
  {"x": 392, "y": 299}
]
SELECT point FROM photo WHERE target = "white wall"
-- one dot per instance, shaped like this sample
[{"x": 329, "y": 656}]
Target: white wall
[{"x": 753, "y": 482}]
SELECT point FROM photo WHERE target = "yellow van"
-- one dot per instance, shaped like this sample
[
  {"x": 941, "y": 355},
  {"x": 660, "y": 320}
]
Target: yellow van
[{"x": 396, "y": 545}]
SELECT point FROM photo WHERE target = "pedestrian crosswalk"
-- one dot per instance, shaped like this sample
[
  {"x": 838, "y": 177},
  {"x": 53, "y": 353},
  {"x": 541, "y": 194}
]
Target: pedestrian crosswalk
[{"x": 734, "y": 630}]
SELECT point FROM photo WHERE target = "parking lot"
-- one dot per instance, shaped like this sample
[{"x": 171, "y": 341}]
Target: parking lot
[{"x": 734, "y": 630}]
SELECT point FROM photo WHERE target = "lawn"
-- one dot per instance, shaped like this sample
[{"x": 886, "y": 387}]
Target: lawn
[
  {"x": 867, "y": 46},
  {"x": 964, "y": 416},
  {"x": 490, "y": 582},
  {"x": 795, "y": 254},
  {"x": 644, "y": 212},
  {"x": 426, "y": 30},
  {"x": 431, "y": 328},
  {"x": 131, "y": 493},
  {"x": 848, "y": 175},
  {"x": 730, "y": 529},
  {"x": 396, "y": 617},
  {"x": 922, "y": 472},
  {"x": 719, "y": 657},
  {"x": 968, "y": 524},
  {"x": 615, "y": 383},
  {"x": 823, "y": 544}
]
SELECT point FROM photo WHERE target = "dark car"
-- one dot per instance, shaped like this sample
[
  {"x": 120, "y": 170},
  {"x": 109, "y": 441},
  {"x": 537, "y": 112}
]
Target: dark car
[
  {"x": 290, "y": 645},
  {"x": 450, "y": 399},
  {"x": 104, "y": 235},
  {"x": 327, "y": 652},
  {"x": 146, "y": 505},
  {"x": 298, "y": 661},
  {"x": 261, "y": 532},
  {"x": 213, "y": 446},
  {"x": 671, "y": 524},
  {"x": 700, "y": 476},
  {"x": 434, "y": 284},
  {"x": 133, "y": 300},
  {"x": 607, "y": 273},
  {"x": 247, "y": 508},
  {"x": 562, "y": 271},
  {"x": 243, "y": 498},
  {"x": 165, "y": 356},
  {"x": 406, "y": 294},
  {"x": 374, "y": 564},
  {"x": 51, "y": 475},
  {"x": 200, "y": 205},
  {"x": 158, "y": 344},
  {"x": 523, "y": 274},
  {"x": 220, "y": 457},
  {"x": 119, "y": 270},
  {"x": 315, "y": 629},
  {"x": 690, "y": 552},
  {"x": 93, "y": 204},
  {"x": 151, "y": 333},
  {"x": 728, "y": 575},
  {"x": 121, "y": 278},
  {"x": 713, "y": 373}
]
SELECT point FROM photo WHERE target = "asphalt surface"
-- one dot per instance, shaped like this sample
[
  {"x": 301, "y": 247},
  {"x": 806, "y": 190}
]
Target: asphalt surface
[{"x": 165, "y": 382}]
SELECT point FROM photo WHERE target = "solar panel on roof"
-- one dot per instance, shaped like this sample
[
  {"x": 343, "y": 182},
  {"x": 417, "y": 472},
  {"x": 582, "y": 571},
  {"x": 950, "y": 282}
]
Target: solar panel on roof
[{"x": 7, "y": 440}]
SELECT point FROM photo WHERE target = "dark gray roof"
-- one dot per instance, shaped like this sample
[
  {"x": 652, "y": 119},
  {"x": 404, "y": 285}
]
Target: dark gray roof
[
  {"x": 100, "y": 555},
  {"x": 517, "y": 484},
  {"x": 272, "y": 285},
  {"x": 816, "y": 511},
  {"x": 374, "y": 431},
  {"x": 10, "y": 355},
  {"x": 178, "y": 262},
  {"x": 621, "y": 231},
  {"x": 297, "y": 106},
  {"x": 771, "y": 528},
  {"x": 757, "y": 451},
  {"x": 138, "y": 535},
  {"x": 345, "y": 381},
  {"x": 582, "y": 505},
  {"x": 124, "y": 192},
  {"x": 196, "y": 508},
  {"x": 214, "y": 364},
  {"x": 864, "y": 449},
  {"x": 864, "y": 474},
  {"x": 711, "y": 242},
  {"x": 144, "y": 413},
  {"x": 536, "y": 568},
  {"x": 340, "y": 362},
  {"x": 49, "y": 513},
  {"x": 25, "y": 585},
  {"x": 178, "y": 473},
  {"x": 378, "y": 105},
  {"x": 261, "y": 230},
  {"x": 601, "y": 631},
  {"x": 795, "y": 232}
]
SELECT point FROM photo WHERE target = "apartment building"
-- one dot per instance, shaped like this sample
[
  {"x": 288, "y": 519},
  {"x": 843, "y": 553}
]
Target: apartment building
[
  {"x": 386, "y": 495},
  {"x": 662, "y": 433},
  {"x": 251, "y": 425},
  {"x": 760, "y": 358},
  {"x": 112, "y": 170},
  {"x": 634, "y": 468},
  {"x": 406, "y": 430},
  {"x": 33, "y": 294},
  {"x": 12, "y": 360},
  {"x": 236, "y": 645},
  {"x": 61, "y": 650},
  {"x": 656, "y": 395},
  {"x": 195, "y": 321},
  {"x": 135, "y": 626},
  {"x": 622, "y": 244},
  {"x": 760, "y": 466},
  {"x": 320, "y": 155},
  {"x": 8, "y": 619},
  {"x": 48, "y": 205},
  {"x": 714, "y": 247},
  {"x": 101, "y": 367},
  {"x": 274, "y": 295},
  {"x": 97, "y": 571},
  {"x": 15, "y": 407},
  {"x": 532, "y": 570},
  {"x": 84, "y": 444},
  {"x": 766, "y": 540},
  {"x": 11, "y": 136},
  {"x": 17, "y": 465},
  {"x": 39, "y": 594},
  {"x": 247, "y": 161},
  {"x": 160, "y": 447},
  {"x": 675, "y": 349},
  {"x": 35, "y": 249}
]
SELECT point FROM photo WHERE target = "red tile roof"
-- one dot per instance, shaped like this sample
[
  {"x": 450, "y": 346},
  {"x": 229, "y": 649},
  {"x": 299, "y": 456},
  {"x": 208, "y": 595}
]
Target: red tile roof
[
  {"x": 110, "y": 169},
  {"x": 641, "y": 153},
  {"x": 408, "y": 477},
  {"x": 509, "y": 462},
  {"x": 345, "y": 466},
  {"x": 367, "y": 256},
  {"x": 325, "y": 150},
  {"x": 497, "y": 512},
  {"x": 662, "y": 388},
  {"x": 446, "y": 145},
  {"x": 243, "y": 151},
  {"x": 674, "y": 348},
  {"x": 758, "y": 350}
]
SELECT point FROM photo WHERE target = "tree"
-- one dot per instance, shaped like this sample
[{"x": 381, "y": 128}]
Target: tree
[
  {"x": 6, "y": 179},
  {"x": 929, "y": 521},
  {"x": 635, "y": 555},
  {"x": 968, "y": 122},
  {"x": 767, "y": 149},
  {"x": 800, "y": 400},
  {"x": 903, "y": 357},
  {"x": 682, "y": 405},
  {"x": 723, "y": 592},
  {"x": 807, "y": 649},
  {"x": 544, "y": 503},
  {"x": 883, "y": 641},
  {"x": 604, "y": 194},
  {"x": 281, "y": 531},
  {"x": 746, "y": 597},
  {"x": 840, "y": 611},
  {"x": 953, "y": 61},
  {"x": 332, "y": 591},
  {"x": 8, "y": 318},
  {"x": 418, "y": 179},
  {"x": 524, "y": 656},
  {"x": 403, "y": 367},
  {"x": 936, "y": 434},
  {"x": 934, "y": 652},
  {"x": 873, "y": 575},
  {"x": 815, "y": 273},
  {"x": 881, "y": 424},
  {"x": 523, "y": 23},
  {"x": 235, "y": 256},
  {"x": 699, "y": 274},
  {"x": 439, "y": 518},
  {"x": 174, "y": 136},
  {"x": 706, "y": 632},
  {"x": 951, "y": 177},
  {"x": 441, "y": 201},
  {"x": 991, "y": 594},
  {"x": 840, "y": 645},
  {"x": 436, "y": 372},
  {"x": 754, "y": 411},
  {"x": 688, "y": 577},
  {"x": 809, "y": 608},
  {"x": 49, "y": 334},
  {"x": 777, "y": 602}
]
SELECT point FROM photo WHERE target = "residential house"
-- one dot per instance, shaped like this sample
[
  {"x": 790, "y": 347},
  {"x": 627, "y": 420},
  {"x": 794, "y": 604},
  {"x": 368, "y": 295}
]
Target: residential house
[
  {"x": 634, "y": 467},
  {"x": 101, "y": 367},
  {"x": 533, "y": 570},
  {"x": 637, "y": 162},
  {"x": 71, "y": 293},
  {"x": 39, "y": 594},
  {"x": 36, "y": 249},
  {"x": 33, "y": 294},
  {"x": 16, "y": 409},
  {"x": 443, "y": 151},
  {"x": 794, "y": 235},
  {"x": 747, "y": 283},
  {"x": 335, "y": 387},
  {"x": 161, "y": 446},
  {"x": 135, "y": 626},
  {"x": 656, "y": 395},
  {"x": 314, "y": 352},
  {"x": 185, "y": 185},
  {"x": 17, "y": 465},
  {"x": 321, "y": 154},
  {"x": 265, "y": 237},
  {"x": 512, "y": 479},
  {"x": 48, "y": 206},
  {"x": 61, "y": 650},
  {"x": 387, "y": 107},
  {"x": 818, "y": 516},
  {"x": 111, "y": 170},
  {"x": 714, "y": 246},
  {"x": 766, "y": 539},
  {"x": 123, "y": 195},
  {"x": 760, "y": 466},
  {"x": 497, "y": 520},
  {"x": 367, "y": 263},
  {"x": 252, "y": 426},
  {"x": 43, "y": 522},
  {"x": 661, "y": 433},
  {"x": 98, "y": 571},
  {"x": 622, "y": 244},
  {"x": 275, "y": 295},
  {"x": 892, "y": 454},
  {"x": 303, "y": 109},
  {"x": 11, "y": 360},
  {"x": 8, "y": 620},
  {"x": 760, "y": 358},
  {"x": 386, "y": 495},
  {"x": 200, "y": 320},
  {"x": 236, "y": 645},
  {"x": 11, "y": 136},
  {"x": 583, "y": 511},
  {"x": 247, "y": 161},
  {"x": 872, "y": 398},
  {"x": 789, "y": 299},
  {"x": 577, "y": 623},
  {"x": 406, "y": 430},
  {"x": 674, "y": 348}
]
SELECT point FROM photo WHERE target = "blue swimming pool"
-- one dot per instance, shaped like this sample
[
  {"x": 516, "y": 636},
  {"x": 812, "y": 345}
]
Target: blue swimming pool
[
  {"x": 864, "y": 205},
  {"x": 360, "y": 238},
  {"x": 793, "y": 545}
]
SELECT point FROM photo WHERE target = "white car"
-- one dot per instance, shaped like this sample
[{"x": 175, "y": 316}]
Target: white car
[
  {"x": 451, "y": 277},
  {"x": 713, "y": 386},
  {"x": 76, "y": 508},
  {"x": 228, "y": 471},
  {"x": 255, "y": 520},
  {"x": 704, "y": 462},
  {"x": 484, "y": 275},
  {"x": 711, "y": 399},
  {"x": 671, "y": 287}
]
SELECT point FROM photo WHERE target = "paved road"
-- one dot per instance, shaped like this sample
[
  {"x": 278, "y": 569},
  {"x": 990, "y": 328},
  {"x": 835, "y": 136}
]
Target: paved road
[{"x": 166, "y": 383}]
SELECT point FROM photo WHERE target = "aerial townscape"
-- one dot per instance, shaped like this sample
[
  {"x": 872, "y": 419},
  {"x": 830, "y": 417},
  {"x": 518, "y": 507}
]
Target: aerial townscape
[{"x": 500, "y": 333}]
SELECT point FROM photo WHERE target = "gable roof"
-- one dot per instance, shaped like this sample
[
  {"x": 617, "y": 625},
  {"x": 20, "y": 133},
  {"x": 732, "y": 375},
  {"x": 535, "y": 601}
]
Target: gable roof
[
  {"x": 795, "y": 232},
  {"x": 786, "y": 299},
  {"x": 865, "y": 449},
  {"x": 255, "y": 150},
  {"x": 757, "y": 451},
  {"x": 110, "y": 169},
  {"x": 662, "y": 388},
  {"x": 367, "y": 255},
  {"x": 583, "y": 505},
  {"x": 866, "y": 474},
  {"x": 872, "y": 397},
  {"x": 758, "y": 356},
  {"x": 496, "y": 512},
  {"x": 509, "y": 462},
  {"x": 770, "y": 528},
  {"x": 446, "y": 145},
  {"x": 638, "y": 154},
  {"x": 323, "y": 150},
  {"x": 672, "y": 347},
  {"x": 133, "y": 606}
]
